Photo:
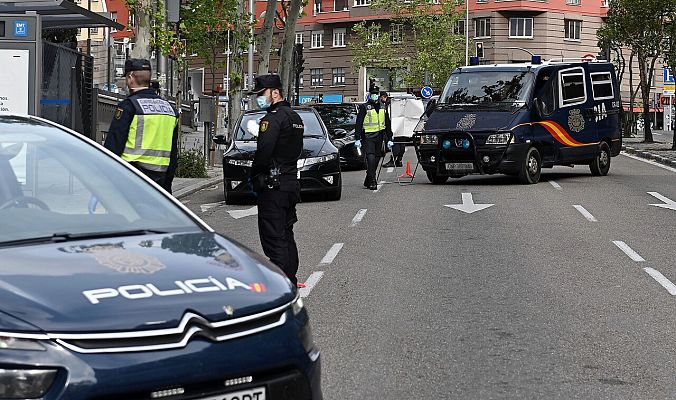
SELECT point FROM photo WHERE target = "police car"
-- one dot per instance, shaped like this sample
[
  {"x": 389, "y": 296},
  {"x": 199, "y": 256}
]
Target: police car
[
  {"x": 111, "y": 289},
  {"x": 519, "y": 118}
]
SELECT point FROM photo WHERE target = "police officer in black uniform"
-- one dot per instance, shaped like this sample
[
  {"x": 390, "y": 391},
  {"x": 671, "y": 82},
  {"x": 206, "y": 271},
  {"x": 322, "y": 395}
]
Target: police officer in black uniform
[
  {"x": 373, "y": 126},
  {"x": 274, "y": 174},
  {"x": 135, "y": 114}
]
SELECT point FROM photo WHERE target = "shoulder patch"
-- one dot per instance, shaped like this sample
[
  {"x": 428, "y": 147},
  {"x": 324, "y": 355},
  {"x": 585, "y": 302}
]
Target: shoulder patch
[
  {"x": 369, "y": 107},
  {"x": 264, "y": 126},
  {"x": 118, "y": 112}
]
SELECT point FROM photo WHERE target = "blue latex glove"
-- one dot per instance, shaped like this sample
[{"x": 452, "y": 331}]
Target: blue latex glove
[
  {"x": 357, "y": 143},
  {"x": 390, "y": 144}
]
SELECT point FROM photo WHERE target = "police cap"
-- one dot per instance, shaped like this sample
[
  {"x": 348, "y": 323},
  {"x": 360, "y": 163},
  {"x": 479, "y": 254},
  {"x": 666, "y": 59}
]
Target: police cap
[
  {"x": 374, "y": 90},
  {"x": 136, "y": 64},
  {"x": 263, "y": 82}
]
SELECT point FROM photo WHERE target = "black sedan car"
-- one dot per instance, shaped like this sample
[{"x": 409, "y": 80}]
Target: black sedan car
[
  {"x": 340, "y": 119},
  {"x": 318, "y": 165},
  {"x": 112, "y": 289}
]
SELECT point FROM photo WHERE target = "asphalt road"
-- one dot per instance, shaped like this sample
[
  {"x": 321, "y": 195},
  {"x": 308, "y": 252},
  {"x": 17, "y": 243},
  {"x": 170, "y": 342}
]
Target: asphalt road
[{"x": 552, "y": 292}]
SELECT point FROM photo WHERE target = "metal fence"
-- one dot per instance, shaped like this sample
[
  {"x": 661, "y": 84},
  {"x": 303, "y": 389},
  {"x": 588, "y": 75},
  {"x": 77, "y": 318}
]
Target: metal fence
[{"x": 67, "y": 89}]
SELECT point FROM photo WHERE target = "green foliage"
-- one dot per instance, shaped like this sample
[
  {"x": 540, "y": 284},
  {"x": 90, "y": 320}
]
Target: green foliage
[
  {"x": 433, "y": 47},
  {"x": 191, "y": 164}
]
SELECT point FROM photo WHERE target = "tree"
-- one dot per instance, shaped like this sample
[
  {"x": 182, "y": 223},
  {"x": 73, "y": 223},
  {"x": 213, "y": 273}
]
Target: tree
[
  {"x": 140, "y": 12},
  {"x": 639, "y": 26},
  {"x": 286, "y": 59},
  {"x": 267, "y": 32},
  {"x": 433, "y": 39}
]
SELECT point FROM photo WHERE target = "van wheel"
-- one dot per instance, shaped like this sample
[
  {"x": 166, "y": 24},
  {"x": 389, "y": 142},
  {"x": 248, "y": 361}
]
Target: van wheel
[
  {"x": 601, "y": 164},
  {"x": 531, "y": 167},
  {"x": 436, "y": 179}
]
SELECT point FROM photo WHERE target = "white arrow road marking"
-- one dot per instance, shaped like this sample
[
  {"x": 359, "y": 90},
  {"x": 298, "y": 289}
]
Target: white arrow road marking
[
  {"x": 585, "y": 213},
  {"x": 332, "y": 253},
  {"x": 628, "y": 251},
  {"x": 662, "y": 280},
  {"x": 357, "y": 218},
  {"x": 237, "y": 214},
  {"x": 208, "y": 206},
  {"x": 311, "y": 281},
  {"x": 468, "y": 205},
  {"x": 670, "y": 204},
  {"x": 556, "y": 185},
  {"x": 390, "y": 169}
]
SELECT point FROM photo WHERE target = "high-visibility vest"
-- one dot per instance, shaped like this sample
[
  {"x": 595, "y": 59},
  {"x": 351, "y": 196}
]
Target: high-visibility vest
[
  {"x": 374, "y": 120},
  {"x": 150, "y": 133}
]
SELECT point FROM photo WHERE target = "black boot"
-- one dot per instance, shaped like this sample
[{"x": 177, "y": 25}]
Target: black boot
[
  {"x": 390, "y": 163},
  {"x": 398, "y": 162},
  {"x": 373, "y": 185}
]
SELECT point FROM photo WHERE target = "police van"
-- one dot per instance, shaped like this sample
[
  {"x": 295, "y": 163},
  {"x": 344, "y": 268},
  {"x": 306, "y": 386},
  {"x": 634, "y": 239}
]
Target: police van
[{"x": 519, "y": 118}]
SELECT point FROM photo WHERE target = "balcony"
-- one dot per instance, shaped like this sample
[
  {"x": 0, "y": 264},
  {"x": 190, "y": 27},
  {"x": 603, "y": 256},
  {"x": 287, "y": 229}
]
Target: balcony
[{"x": 327, "y": 17}]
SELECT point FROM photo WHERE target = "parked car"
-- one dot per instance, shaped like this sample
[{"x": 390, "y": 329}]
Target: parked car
[
  {"x": 318, "y": 165},
  {"x": 112, "y": 289},
  {"x": 340, "y": 120}
]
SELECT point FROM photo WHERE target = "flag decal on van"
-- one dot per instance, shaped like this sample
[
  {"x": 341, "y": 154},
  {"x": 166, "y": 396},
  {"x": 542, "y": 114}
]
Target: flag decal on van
[{"x": 558, "y": 132}]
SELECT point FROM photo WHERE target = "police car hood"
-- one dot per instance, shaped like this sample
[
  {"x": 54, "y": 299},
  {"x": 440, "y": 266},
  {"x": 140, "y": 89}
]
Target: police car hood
[
  {"x": 472, "y": 120},
  {"x": 134, "y": 283}
]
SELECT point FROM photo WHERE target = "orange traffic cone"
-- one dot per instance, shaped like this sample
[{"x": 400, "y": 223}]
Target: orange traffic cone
[{"x": 408, "y": 173}]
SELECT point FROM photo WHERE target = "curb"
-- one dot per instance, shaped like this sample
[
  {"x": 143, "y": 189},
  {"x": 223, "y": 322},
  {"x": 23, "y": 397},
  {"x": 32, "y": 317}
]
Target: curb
[
  {"x": 195, "y": 187},
  {"x": 649, "y": 156}
]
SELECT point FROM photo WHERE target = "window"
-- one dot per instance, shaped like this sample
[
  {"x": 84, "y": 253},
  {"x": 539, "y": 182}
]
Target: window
[
  {"x": 339, "y": 37},
  {"x": 572, "y": 87},
  {"x": 574, "y": 2},
  {"x": 602, "y": 85},
  {"x": 113, "y": 17},
  {"x": 316, "y": 77},
  {"x": 572, "y": 29},
  {"x": 373, "y": 34},
  {"x": 521, "y": 27},
  {"x": 317, "y": 7},
  {"x": 482, "y": 27},
  {"x": 397, "y": 33},
  {"x": 339, "y": 5},
  {"x": 317, "y": 39},
  {"x": 94, "y": 31},
  {"x": 459, "y": 28},
  {"x": 299, "y": 38},
  {"x": 338, "y": 76},
  {"x": 359, "y": 3},
  {"x": 604, "y": 3}
]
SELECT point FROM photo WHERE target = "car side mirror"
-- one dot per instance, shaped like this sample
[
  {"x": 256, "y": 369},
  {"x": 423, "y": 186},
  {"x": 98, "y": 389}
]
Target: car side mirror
[
  {"x": 339, "y": 133},
  {"x": 221, "y": 139},
  {"x": 431, "y": 105}
]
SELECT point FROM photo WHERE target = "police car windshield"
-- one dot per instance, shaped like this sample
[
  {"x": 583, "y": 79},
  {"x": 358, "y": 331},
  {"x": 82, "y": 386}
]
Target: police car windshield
[
  {"x": 53, "y": 184},
  {"x": 492, "y": 89},
  {"x": 249, "y": 125},
  {"x": 336, "y": 115}
]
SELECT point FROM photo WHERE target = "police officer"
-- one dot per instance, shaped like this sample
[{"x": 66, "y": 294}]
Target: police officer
[
  {"x": 144, "y": 129},
  {"x": 274, "y": 174},
  {"x": 373, "y": 126}
]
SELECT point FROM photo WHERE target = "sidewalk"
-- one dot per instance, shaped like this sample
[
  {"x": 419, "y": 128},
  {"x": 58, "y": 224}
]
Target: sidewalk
[
  {"x": 182, "y": 187},
  {"x": 660, "y": 152}
]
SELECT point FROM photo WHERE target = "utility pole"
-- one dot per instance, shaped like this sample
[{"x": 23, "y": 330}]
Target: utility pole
[
  {"x": 252, "y": 11},
  {"x": 466, "y": 32}
]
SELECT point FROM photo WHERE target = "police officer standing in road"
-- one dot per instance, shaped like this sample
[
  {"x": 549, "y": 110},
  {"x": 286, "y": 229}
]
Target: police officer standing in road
[
  {"x": 373, "y": 126},
  {"x": 274, "y": 174},
  {"x": 144, "y": 129}
]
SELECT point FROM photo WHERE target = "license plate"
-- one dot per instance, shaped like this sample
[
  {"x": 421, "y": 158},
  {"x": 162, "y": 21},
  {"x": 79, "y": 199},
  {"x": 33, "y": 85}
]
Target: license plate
[
  {"x": 249, "y": 394},
  {"x": 459, "y": 166}
]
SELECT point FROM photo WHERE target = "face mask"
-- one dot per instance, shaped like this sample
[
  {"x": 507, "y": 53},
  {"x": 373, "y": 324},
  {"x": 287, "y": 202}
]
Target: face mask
[
  {"x": 263, "y": 102},
  {"x": 374, "y": 97}
]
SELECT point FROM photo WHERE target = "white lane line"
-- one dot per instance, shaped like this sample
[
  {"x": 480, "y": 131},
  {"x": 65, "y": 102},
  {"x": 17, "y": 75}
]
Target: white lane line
[
  {"x": 661, "y": 198},
  {"x": 662, "y": 280},
  {"x": 585, "y": 213},
  {"x": 556, "y": 185},
  {"x": 390, "y": 169},
  {"x": 332, "y": 253},
  {"x": 651, "y": 162},
  {"x": 380, "y": 185},
  {"x": 311, "y": 281},
  {"x": 628, "y": 251},
  {"x": 357, "y": 218}
]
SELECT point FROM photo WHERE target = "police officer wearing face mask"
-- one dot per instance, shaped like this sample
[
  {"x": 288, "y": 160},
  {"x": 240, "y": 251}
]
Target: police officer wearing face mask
[
  {"x": 144, "y": 129},
  {"x": 372, "y": 128},
  {"x": 274, "y": 174}
]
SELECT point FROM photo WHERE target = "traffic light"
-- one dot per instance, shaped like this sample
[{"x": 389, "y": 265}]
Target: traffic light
[{"x": 480, "y": 49}]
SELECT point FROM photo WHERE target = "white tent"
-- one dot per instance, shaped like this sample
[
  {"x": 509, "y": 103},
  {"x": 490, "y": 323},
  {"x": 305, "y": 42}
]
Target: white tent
[{"x": 405, "y": 111}]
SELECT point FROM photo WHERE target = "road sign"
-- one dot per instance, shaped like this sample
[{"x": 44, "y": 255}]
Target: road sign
[
  {"x": 668, "y": 89},
  {"x": 426, "y": 92},
  {"x": 667, "y": 75}
]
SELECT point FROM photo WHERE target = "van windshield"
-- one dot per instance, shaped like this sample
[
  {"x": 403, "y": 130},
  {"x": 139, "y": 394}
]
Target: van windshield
[{"x": 502, "y": 90}]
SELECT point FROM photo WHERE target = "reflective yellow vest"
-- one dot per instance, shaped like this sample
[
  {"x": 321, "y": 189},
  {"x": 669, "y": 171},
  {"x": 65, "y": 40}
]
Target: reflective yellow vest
[
  {"x": 150, "y": 133},
  {"x": 374, "y": 120}
]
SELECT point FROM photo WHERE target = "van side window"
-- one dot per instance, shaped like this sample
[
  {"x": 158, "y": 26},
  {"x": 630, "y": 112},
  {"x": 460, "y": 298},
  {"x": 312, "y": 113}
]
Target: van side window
[
  {"x": 602, "y": 85},
  {"x": 572, "y": 86},
  {"x": 544, "y": 92}
]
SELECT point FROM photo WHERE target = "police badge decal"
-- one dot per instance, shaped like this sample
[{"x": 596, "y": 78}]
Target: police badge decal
[{"x": 575, "y": 120}]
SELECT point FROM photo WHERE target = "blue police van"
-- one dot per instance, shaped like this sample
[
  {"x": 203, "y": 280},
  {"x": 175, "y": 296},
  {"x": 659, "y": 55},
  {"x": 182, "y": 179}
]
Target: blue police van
[{"x": 516, "y": 119}]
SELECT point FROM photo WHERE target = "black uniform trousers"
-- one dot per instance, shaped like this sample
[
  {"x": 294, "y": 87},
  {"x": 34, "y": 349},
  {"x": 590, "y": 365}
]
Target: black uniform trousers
[
  {"x": 276, "y": 216},
  {"x": 373, "y": 146}
]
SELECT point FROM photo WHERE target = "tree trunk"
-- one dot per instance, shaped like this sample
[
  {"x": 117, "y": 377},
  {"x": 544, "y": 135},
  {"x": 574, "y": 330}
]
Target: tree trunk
[
  {"x": 632, "y": 96},
  {"x": 645, "y": 95},
  {"x": 267, "y": 33},
  {"x": 286, "y": 60},
  {"x": 143, "y": 29}
]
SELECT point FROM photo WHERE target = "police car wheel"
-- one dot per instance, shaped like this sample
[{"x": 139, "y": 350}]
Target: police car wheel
[
  {"x": 436, "y": 179},
  {"x": 601, "y": 164},
  {"x": 531, "y": 167}
]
